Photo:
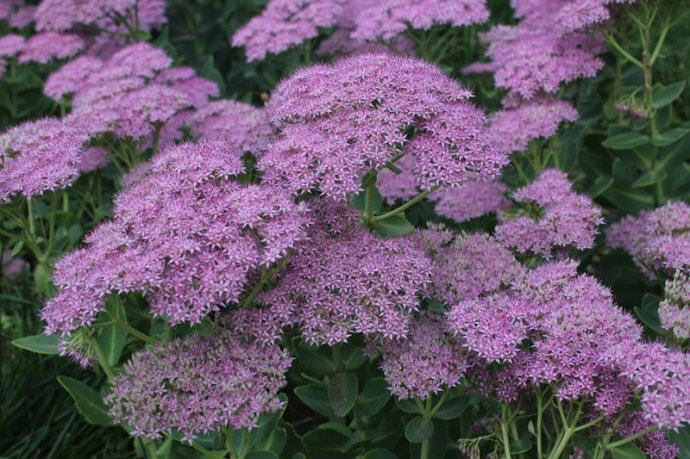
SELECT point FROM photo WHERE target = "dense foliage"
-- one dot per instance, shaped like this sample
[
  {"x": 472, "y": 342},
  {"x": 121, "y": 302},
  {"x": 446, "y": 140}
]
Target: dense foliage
[{"x": 345, "y": 228}]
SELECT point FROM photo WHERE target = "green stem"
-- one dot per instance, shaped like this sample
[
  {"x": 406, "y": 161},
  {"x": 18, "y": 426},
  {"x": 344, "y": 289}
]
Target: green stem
[
  {"x": 338, "y": 357},
  {"x": 265, "y": 276},
  {"x": 369, "y": 202},
  {"x": 568, "y": 430},
  {"x": 612, "y": 41},
  {"x": 540, "y": 414},
  {"x": 504, "y": 432},
  {"x": 618, "y": 443},
  {"x": 131, "y": 330},
  {"x": 439, "y": 404},
  {"x": 405, "y": 206},
  {"x": 32, "y": 225}
]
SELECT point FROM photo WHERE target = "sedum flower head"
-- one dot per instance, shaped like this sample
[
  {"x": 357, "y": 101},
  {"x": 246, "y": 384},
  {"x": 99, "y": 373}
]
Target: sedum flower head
[
  {"x": 387, "y": 19},
  {"x": 246, "y": 126},
  {"x": 471, "y": 200},
  {"x": 197, "y": 384},
  {"x": 47, "y": 46},
  {"x": 469, "y": 266},
  {"x": 71, "y": 77},
  {"x": 39, "y": 156},
  {"x": 428, "y": 361},
  {"x": 673, "y": 310},
  {"x": 658, "y": 240},
  {"x": 566, "y": 219},
  {"x": 11, "y": 44},
  {"x": 513, "y": 129},
  {"x": 186, "y": 236},
  {"x": 337, "y": 122},
  {"x": 285, "y": 23},
  {"x": 61, "y": 15},
  {"x": 344, "y": 280}
]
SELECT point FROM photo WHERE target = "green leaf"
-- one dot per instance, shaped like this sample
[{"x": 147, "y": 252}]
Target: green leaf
[
  {"x": 274, "y": 442},
  {"x": 419, "y": 429},
  {"x": 649, "y": 178},
  {"x": 521, "y": 446},
  {"x": 315, "y": 359},
  {"x": 353, "y": 357},
  {"x": 626, "y": 141},
  {"x": 373, "y": 397},
  {"x": 629, "y": 200},
  {"x": 452, "y": 408},
  {"x": 41, "y": 344},
  {"x": 17, "y": 248},
  {"x": 674, "y": 154},
  {"x": 315, "y": 397},
  {"x": 112, "y": 339},
  {"x": 397, "y": 225},
  {"x": 267, "y": 423},
  {"x": 648, "y": 312},
  {"x": 342, "y": 392},
  {"x": 379, "y": 453},
  {"x": 88, "y": 401},
  {"x": 262, "y": 455},
  {"x": 408, "y": 406},
  {"x": 600, "y": 185},
  {"x": 325, "y": 442},
  {"x": 664, "y": 95},
  {"x": 680, "y": 439},
  {"x": 628, "y": 451},
  {"x": 438, "y": 443},
  {"x": 669, "y": 137}
]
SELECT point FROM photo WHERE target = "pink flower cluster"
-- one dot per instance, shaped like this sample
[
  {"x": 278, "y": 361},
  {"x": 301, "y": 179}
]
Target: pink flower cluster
[
  {"x": 658, "y": 240},
  {"x": 40, "y": 156},
  {"x": 546, "y": 47},
  {"x": 674, "y": 310},
  {"x": 386, "y": 19},
  {"x": 427, "y": 361},
  {"x": 185, "y": 235},
  {"x": 564, "y": 219},
  {"x": 198, "y": 384},
  {"x": 579, "y": 341},
  {"x": 338, "y": 122},
  {"x": 245, "y": 126},
  {"x": 514, "y": 128},
  {"x": 285, "y": 23},
  {"x": 131, "y": 95},
  {"x": 471, "y": 200},
  {"x": 362, "y": 24},
  {"x": 47, "y": 46},
  {"x": 343, "y": 280},
  {"x": 62, "y": 15},
  {"x": 467, "y": 266}
]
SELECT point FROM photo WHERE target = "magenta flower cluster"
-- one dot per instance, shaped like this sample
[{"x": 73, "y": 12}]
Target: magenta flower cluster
[
  {"x": 285, "y": 23},
  {"x": 565, "y": 219},
  {"x": 362, "y": 24},
  {"x": 41, "y": 156},
  {"x": 429, "y": 360},
  {"x": 344, "y": 280},
  {"x": 197, "y": 384},
  {"x": 186, "y": 235},
  {"x": 62, "y": 15},
  {"x": 131, "y": 95},
  {"x": 338, "y": 122},
  {"x": 658, "y": 240}
]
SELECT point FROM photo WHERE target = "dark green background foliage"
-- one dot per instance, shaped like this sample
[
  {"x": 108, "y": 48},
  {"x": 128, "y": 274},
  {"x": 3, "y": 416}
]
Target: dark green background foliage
[{"x": 625, "y": 165}]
